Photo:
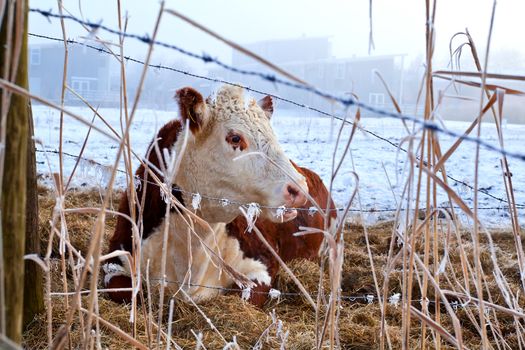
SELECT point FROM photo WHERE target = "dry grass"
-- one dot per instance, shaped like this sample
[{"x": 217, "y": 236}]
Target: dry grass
[
  {"x": 372, "y": 263},
  {"x": 79, "y": 224},
  {"x": 359, "y": 322}
]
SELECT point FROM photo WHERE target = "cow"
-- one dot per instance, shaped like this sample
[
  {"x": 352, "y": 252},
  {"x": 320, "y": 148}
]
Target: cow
[
  {"x": 230, "y": 151},
  {"x": 281, "y": 236}
]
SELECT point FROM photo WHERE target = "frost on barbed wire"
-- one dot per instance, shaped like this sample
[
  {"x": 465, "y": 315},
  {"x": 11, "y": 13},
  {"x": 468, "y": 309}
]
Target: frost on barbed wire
[
  {"x": 369, "y": 298},
  {"x": 196, "y": 201},
  {"x": 224, "y": 202},
  {"x": 279, "y": 212},
  {"x": 372, "y": 214},
  {"x": 252, "y": 214},
  {"x": 312, "y": 211},
  {"x": 394, "y": 299},
  {"x": 246, "y": 293},
  {"x": 274, "y": 294},
  {"x": 465, "y": 188}
]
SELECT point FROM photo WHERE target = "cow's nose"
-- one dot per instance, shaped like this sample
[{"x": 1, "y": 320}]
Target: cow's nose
[{"x": 294, "y": 195}]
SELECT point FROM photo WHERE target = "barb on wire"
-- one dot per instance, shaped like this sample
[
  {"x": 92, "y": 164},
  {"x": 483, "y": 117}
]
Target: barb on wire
[
  {"x": 283, "y": 99},
  {"x": 346, "y": 101}
]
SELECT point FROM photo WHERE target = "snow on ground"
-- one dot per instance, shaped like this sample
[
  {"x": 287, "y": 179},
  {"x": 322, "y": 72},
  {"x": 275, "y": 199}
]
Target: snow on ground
[{"x": 309, "y": 140}]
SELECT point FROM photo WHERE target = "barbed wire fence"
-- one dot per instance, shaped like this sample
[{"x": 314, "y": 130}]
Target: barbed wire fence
[
  {"x": 277, "y": 97},
  {"x": 394, "y": 299},
  {"x": 276, "y": 295},
  {"x": 292, "y": 102},
  {"x": 227, "y": 201},
  {"x": 346, "y": 101}
]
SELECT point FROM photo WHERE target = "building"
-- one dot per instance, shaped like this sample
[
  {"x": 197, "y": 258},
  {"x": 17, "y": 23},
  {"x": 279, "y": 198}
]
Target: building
[
  {"x": 311, "y": 59},
  {"x": 89, "y": 73}
]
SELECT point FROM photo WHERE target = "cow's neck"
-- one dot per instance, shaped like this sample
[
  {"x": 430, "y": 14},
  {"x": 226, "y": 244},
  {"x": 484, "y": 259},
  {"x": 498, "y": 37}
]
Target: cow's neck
[
  {"x": 191, "y": 180},
  {"x": 211, "y": 210}
]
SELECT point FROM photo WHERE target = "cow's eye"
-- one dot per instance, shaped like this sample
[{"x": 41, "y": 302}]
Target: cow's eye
[{"x": 236, "y": 140}]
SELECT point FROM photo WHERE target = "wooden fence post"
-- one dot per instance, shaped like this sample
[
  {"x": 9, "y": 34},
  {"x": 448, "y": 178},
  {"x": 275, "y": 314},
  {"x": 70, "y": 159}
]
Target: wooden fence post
[
  {"x": 13, "y": 49},
  {"x": 33, "y": 275}
]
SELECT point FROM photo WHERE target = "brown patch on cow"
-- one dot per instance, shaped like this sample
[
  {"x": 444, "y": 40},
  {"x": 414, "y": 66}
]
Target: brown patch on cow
[
  {"x": 280, "y": 235},
  {"x": 192, "y": 107},
  {"x": 117, "y": 282},
  {"x": 149, "y": 196},
  {"x": 122, "y": 239},
  {"x": 266, "y": 104}
]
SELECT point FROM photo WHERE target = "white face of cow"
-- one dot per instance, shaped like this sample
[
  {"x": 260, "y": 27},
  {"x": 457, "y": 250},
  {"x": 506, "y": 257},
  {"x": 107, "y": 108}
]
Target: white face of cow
[{"x": 221, "y": 131}]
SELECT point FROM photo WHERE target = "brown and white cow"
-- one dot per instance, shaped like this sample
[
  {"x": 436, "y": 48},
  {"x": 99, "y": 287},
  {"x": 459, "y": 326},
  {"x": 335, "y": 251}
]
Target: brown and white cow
[{"x": 221, "y": 130}]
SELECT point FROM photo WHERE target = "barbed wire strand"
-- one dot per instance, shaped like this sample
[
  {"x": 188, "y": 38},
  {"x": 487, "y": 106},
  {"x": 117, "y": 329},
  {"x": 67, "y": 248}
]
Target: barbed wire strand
[
  {"x": 273, "y": 293},
  {"x": 232, "y": 202},
  {"x": 369, "y": 298},
  {"x": 345, "y": 101},
  {"x": 295, "y": 103}
]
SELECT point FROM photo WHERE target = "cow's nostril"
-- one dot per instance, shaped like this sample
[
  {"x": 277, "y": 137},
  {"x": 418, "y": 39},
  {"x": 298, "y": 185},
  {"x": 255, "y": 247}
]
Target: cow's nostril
[{"x": 294, "y": 192}]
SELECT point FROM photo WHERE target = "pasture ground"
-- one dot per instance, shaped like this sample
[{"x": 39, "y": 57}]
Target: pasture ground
[{"x": 359, "y": 324}]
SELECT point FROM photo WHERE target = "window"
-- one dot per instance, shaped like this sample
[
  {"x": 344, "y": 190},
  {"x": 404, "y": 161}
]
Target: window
[
  {"x": 377, "y": 99},
  {"x": 35, "y": 56},
  {"x": 82, "y": 84}
]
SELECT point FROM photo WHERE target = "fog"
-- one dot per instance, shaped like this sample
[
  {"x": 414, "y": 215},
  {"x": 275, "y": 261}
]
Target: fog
[{"x": 340, "y": 47}]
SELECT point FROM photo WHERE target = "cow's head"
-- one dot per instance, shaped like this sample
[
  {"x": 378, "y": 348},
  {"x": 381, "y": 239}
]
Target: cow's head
[{"x": 222, "y": 130}]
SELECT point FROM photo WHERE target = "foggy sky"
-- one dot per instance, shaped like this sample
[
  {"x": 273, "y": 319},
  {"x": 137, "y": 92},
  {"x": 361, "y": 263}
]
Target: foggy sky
[{"x": 398, "y": 26}]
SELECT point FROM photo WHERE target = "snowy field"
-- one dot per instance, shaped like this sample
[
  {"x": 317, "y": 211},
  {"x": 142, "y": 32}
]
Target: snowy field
[{"x": 309, "y": 140}]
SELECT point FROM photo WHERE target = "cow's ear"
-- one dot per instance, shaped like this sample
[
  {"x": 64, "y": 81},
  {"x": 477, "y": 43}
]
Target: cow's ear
[
  {"x": 193, "y": 108},
  {"x": 266, "y": 104}
]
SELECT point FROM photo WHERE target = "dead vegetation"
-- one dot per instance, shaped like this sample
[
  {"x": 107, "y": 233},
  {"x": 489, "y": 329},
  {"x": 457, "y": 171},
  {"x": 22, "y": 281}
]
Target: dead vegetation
[
  {"x": 359, "y": 321},
  {"x": 410, "y": 283}
]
